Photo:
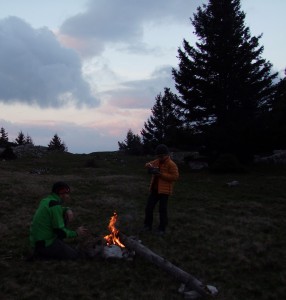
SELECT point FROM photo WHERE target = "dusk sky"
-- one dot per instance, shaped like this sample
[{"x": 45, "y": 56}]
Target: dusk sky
[{"x": 91, "y": 70}]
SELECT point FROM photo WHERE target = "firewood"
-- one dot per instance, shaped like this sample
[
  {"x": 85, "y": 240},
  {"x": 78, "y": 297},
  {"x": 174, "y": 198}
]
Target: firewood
[{"x": 183, "y": 277}]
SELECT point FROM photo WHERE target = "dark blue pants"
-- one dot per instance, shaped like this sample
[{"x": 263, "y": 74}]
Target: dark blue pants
[
  {"x": 153, "y": 199},
  {"x": 58, "y": 250}
]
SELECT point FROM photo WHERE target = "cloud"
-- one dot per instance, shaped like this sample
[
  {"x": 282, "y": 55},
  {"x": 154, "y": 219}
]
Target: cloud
[
  {"x": 121, "y": 22},
  {"x": 141, "y": 93},
  {"x": 36, "y": 70}
]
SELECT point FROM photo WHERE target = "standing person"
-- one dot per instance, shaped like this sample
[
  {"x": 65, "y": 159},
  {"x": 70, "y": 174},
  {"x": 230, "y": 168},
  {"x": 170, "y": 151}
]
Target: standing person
[
  {"x": 164, "y": 173},
  {"x": 49, "y": 223}
]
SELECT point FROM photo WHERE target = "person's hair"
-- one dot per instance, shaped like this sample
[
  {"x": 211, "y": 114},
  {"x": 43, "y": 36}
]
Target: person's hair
[
  {"x": 60, "y": 188},
  {"x": 161, "y": 149}
]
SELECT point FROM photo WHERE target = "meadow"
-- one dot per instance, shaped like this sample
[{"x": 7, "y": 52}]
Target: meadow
[{"x": 231, "y": 237}]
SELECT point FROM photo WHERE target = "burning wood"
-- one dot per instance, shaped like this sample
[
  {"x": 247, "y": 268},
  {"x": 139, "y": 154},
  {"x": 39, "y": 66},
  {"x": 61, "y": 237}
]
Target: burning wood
[
  {"x": 113, "y": 238},
  {"x": 108, "y": 246},
  {"x": 114, "y": 248},
  {"x": 117, "y": 245}
]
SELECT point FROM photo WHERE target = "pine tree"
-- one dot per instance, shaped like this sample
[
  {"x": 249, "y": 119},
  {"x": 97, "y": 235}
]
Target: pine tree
[
  {"x": 277, "y": 119},
  {"x": 21, "y": 139},
  {"x": 224, "y": 83},
  {"x": 132, "y": 144},
  {"x": 57, "y": 144},
  {"x": 4, "y": 140},
  {"x": 163, "y": 125},
  {"x": 29, "y": 140}
]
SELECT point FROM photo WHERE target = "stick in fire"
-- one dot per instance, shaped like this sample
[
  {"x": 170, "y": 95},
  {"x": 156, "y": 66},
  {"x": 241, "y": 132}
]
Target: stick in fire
[{"x": 115, "y": 237}]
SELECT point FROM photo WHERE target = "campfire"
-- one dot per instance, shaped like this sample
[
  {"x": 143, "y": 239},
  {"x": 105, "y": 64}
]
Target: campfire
[
  {"x": 114, "y": 248},
  {"x": 116, "y": 245},
  {"x": 113, "y": 237}
]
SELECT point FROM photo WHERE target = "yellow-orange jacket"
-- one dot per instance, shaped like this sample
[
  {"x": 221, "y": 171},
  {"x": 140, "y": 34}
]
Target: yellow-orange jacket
[{"x": 169, "y": 173}]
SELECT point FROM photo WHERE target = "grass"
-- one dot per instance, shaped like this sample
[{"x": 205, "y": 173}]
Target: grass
[{"x": 231, "y": 237}]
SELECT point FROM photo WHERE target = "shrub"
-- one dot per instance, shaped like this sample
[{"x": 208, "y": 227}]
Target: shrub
[{"x": 227, "y": 163}]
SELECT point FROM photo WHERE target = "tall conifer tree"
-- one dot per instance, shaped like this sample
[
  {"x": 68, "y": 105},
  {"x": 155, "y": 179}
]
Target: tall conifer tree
[
  {"x": 20, "y": 139},
  {"x": 223, "y": 81},
  {"x": 57, "y": 144},
  {"x": 132, "y": 144},
  {"x": 163, "y": 124},
  {"x": 278, "y": 114},
  {"x": 3, "y": 137}
]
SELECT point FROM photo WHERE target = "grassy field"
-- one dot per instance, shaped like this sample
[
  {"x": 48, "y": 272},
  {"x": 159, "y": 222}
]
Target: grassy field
[{"x": 231, "y": 237}]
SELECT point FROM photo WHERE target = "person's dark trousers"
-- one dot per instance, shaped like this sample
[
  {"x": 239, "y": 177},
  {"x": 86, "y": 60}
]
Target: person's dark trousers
[
  {"x": 58, "y": 250},
  {"x": 153, "y": 199}
]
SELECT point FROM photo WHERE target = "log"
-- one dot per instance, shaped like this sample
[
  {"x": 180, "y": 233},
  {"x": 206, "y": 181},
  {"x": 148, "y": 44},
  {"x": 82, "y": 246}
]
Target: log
[{"x": 183, "y": 277}]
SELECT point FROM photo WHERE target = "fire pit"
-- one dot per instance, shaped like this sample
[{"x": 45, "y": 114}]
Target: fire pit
[
  {"x": 114, "y": 248},
  {"x": 113, "y": 237},
  {"x": 116, "y": 245}
]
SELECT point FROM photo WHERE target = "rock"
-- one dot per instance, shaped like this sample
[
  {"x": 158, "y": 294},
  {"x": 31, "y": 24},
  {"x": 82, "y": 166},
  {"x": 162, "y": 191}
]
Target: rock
[
  {"x": 198, "y": 165},
  {"x": 112, "y": 251},
  {"x": 278, "y": 157},
  {"x": 30, "y": 151},
  {"x": 233, "y": 183},
  {"x": 191, "y": 294}
]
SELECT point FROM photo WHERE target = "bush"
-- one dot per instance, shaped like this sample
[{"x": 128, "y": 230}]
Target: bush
[
  {"x": 227, "y": 163},
  {"x": 91, "y": 163},
  {"x": 8, "y": 154}
]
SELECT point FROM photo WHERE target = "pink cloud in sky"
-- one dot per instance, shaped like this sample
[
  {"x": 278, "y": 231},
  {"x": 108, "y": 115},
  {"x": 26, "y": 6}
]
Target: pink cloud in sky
[
  {"x": 116, "y": 122},
  {"x": 81, "y": 45}
]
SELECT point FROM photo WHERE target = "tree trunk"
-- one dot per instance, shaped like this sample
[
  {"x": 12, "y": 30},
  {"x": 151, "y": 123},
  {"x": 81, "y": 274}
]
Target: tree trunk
[{"x": 182, "y": 276}]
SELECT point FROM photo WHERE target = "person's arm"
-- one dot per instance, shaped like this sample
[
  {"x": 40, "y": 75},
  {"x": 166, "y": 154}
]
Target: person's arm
[
  {"x": 68, "y": 215},
  {"x": 58, "y": 223}
]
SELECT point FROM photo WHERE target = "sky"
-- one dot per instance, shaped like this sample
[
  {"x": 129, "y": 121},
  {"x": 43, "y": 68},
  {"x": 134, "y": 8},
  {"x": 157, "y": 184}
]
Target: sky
[{"x": 90, "y": 70}]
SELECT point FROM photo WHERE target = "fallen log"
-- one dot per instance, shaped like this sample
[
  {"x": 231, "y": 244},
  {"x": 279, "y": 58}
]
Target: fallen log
[{"x": 183, "y": 277}]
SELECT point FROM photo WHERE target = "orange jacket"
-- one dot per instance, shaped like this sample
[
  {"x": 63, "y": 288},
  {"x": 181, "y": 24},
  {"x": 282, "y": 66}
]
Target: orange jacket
[{"x": 168, "y": 174}]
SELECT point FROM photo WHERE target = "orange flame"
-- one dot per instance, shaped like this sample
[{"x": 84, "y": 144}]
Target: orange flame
[{"x": 113, "y": 237}]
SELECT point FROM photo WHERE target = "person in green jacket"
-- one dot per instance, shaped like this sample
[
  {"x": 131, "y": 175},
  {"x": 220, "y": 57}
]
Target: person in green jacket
[{"x": 48, "y": 228}]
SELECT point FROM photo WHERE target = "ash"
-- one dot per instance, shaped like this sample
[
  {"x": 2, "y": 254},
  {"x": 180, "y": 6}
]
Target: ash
[
  {"x": 114, "y": 251},
  {"x": 96, "y": 247}
]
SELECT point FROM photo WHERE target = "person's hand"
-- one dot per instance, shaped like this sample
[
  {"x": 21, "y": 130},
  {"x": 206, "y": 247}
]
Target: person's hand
[
  {"x": 154, "y": 171},
  {"x": 69, "y": 216},
  {"x": 82, "y": 231}
]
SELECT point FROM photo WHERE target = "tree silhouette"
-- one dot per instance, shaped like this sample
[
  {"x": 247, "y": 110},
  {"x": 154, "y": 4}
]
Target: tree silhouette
[
  {"x": 163, "y": 125},
  {"x": 57, "y": 144},
  {"x": 21, "y": 139},
  {"x": 224, "y": 83},
  {"x": 4, "y": 140},
  {"x": 29, "y": 140},
  {"x": 132, "y": 144},
  {"x": 277, "y": 117}
]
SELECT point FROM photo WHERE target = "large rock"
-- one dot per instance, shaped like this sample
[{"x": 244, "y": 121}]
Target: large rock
[
  {"x": 278, "y": 157},
  {"x": 30, "y": 150}
]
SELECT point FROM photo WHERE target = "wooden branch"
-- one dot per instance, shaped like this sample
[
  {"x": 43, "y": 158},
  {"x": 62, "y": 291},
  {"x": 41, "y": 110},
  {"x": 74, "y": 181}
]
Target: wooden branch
[{"x": 183, "y": 277}]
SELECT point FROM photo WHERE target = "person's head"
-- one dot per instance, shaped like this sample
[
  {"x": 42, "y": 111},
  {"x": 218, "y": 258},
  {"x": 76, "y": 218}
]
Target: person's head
[
  {"x": 162, "y": 151},
  {"x": 61, "y": 189}
]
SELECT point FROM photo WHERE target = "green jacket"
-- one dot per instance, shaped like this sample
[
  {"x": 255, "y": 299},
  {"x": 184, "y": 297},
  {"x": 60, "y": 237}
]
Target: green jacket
[{"x": 48, "y": 222}]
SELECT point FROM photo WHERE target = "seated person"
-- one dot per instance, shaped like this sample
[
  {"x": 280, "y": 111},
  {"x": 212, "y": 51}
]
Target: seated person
[{"x": 49, "y": 223}]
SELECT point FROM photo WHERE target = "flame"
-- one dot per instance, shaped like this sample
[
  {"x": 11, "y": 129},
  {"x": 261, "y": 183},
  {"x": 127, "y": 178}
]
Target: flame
[{"x": 113, "y": 237}]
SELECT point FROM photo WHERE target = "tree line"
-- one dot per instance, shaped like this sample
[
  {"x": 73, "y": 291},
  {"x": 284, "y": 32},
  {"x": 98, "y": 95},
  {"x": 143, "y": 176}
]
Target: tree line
[
  {"x": 55, "y": 143},
  {"x": 228, "y": 98}
]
